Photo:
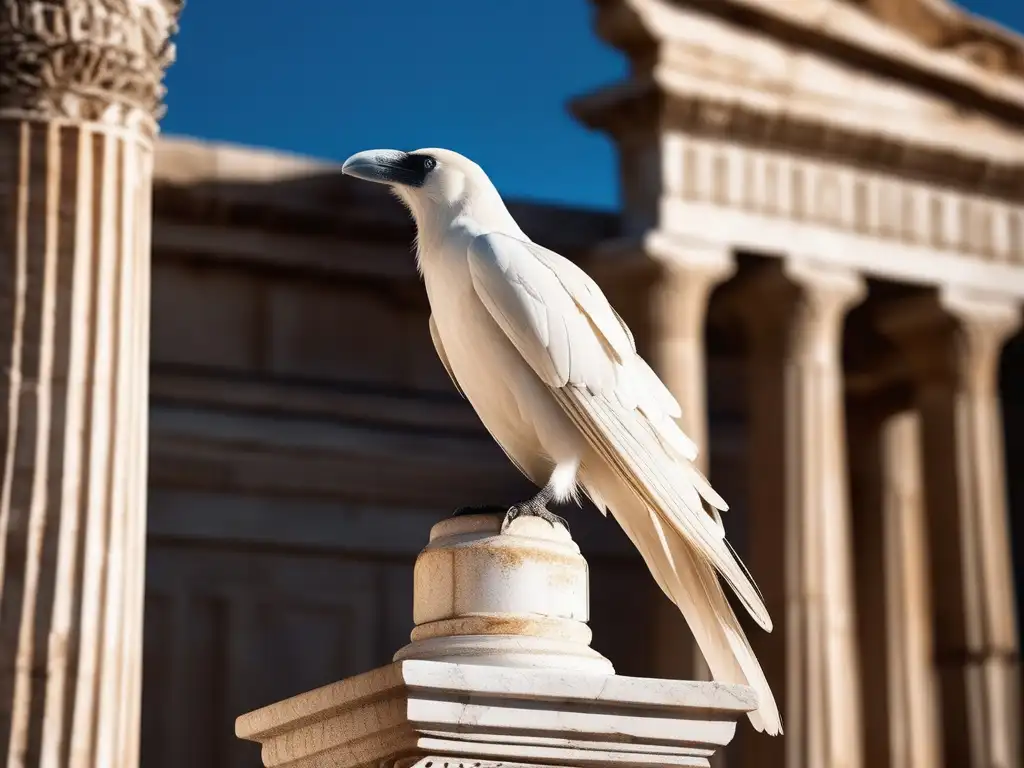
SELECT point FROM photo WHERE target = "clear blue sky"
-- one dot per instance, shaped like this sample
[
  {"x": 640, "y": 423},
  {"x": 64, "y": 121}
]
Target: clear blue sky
[{"x": 488, "y": 78}]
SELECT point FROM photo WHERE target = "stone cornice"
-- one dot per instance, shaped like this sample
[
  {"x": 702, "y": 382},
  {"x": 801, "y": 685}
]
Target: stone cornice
[
  {"x": 629, "y": 107},
  {"x": 969, "y": 61},
  {"x": 956, "y": 54},
  {"x": 942, "y": 25}
]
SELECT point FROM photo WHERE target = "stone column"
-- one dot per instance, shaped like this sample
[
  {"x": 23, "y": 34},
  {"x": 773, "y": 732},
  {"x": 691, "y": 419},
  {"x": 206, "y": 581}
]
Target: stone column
[
  {"x": 893, "y": 595},
  {"x": 952, "y": 343},
  {"x": 800, "y": 528},
  {"x": 80, "y": 93},
  {"x": 688, "y": 273},
  {"x": 499, "y": 674}
]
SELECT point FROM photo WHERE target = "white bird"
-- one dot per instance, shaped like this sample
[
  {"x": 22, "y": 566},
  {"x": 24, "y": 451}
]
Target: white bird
[{"x": 553, "y": 373}]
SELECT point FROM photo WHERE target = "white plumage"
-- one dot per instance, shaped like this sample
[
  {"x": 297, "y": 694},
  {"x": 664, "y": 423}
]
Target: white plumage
[{"x": 553, "y": 373}]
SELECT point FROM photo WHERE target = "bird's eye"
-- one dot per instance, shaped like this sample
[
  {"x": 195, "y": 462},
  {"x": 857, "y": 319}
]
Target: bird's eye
[{"x": 429, "y": 163}]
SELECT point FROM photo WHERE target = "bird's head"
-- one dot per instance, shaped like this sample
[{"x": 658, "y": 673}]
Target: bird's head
[{"x": 433, "y": 183}]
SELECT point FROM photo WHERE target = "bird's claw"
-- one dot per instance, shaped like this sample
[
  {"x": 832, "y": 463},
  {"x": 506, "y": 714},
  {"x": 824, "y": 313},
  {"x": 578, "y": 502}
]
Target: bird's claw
[{"x": 532, "y": 510}]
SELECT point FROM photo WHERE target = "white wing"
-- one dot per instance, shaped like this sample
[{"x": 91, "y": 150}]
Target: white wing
[
  {"x": 439, "y": 347},
  {"x": 564, "y": 327}
]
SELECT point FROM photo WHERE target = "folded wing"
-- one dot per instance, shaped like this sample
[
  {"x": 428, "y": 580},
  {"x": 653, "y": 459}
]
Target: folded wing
[
  {"x": 439, "y": 348},
  {"x": 564, "y": 327}
]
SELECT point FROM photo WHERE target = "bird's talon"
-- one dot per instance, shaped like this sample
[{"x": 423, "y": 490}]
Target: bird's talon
[
  {"x": 526, "y": 510},
  {"x": 510, "y": 514}
]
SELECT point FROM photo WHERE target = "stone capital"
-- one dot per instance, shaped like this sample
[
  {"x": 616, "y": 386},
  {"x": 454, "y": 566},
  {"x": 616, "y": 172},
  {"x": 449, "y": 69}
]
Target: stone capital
[
  {"x": 985, "y": 325},
  {"x": 688, "y": 272},
  {"x": 797, "y": 307},
  {"x": 952, "y": 335},
  {"x": 97, "y": 61},
  {"x": 687, "y": 255},
  {"x": 674, "y": 254},
  {"x": 826, "y": 283}
]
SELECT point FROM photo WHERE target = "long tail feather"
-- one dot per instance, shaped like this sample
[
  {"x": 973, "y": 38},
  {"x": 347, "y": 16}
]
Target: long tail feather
[
  {"x": 667, "y": 485},
  {"x": 690, "y": 582}
]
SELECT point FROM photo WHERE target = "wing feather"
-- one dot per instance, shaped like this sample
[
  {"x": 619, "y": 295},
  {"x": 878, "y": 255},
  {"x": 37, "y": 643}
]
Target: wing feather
[
  {"x": 439, "y": 348},
  {"x": 566, "y": 330},
  {"x": 538, "y": 315},
  {"x": 583, "y": 291},
  {"x": 632, "y": 452}
]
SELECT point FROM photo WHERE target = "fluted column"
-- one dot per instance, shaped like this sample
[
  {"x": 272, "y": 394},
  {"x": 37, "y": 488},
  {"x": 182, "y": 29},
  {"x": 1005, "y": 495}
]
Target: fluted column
[
  {"x": 679, "y": 302},
  {"x": 952, "y": 343},
  {"x": 80, "y": 93},
  {"x": 800, "y": 528}
]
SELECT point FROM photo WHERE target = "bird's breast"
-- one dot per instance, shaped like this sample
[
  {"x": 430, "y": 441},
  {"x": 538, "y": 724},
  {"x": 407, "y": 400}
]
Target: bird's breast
[{"x": 489, "y": 369}]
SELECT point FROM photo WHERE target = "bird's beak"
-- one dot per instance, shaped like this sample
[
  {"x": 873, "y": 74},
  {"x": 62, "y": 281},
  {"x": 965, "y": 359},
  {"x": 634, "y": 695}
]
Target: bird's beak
[{"x": 384, "y": 166}]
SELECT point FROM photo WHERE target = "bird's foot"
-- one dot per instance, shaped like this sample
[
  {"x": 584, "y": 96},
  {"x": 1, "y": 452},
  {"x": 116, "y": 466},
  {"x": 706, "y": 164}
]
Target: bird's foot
[
  {"x": 479, "y": 509},
  {"x": 532, "y": 508}
]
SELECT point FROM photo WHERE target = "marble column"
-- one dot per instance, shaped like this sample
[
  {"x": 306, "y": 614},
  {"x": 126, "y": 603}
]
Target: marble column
[
  {"x": 80, "y": 94},
  {"x": 687, "y": 275},
  {"x": 952, "y": 343},
  {"x": 893, "y": 594},
  {"x": 800, "y": 528}
]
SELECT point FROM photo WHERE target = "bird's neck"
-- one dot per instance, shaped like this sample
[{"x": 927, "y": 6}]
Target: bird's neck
[{"x": 455, "y": 225}]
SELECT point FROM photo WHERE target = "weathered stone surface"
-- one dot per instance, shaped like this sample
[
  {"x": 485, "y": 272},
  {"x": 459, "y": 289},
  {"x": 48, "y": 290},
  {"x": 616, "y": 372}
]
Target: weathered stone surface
[
  {"x": 499, "y": 669},
  {"x": 97, "y": 61},
  {"x": 80, "y": 93}
]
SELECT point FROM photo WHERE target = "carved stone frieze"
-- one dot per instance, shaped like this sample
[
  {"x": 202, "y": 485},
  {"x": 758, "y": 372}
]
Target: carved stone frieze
[
  {"x": 86, "y": 60},
  {"x": 829, "y": 194}
]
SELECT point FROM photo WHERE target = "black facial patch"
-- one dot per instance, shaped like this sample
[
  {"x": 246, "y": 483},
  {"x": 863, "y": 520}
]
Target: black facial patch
[{"x": 408, "y": 169}]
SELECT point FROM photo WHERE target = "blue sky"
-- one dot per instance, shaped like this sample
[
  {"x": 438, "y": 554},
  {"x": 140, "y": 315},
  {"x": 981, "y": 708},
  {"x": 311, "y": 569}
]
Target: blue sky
[{"x": 487, "y": 78}]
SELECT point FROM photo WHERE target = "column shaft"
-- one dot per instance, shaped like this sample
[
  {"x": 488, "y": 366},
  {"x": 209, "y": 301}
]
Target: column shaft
[
  {"x": 909, "y": 647},
  {"x": 80, "y": 89},
  {"x": 800, "y": 528},
  {"x": 893, "y": 594},
  {"x": 953, "y": 344},
  {"x": 75, "y": 317},
  {"x": 678, "y": 309}
]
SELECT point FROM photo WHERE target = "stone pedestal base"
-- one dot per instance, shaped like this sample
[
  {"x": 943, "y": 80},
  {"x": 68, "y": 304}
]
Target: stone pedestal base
[
  {"x": 499, "y": 671},
  {"x": 411, "y": 712}
]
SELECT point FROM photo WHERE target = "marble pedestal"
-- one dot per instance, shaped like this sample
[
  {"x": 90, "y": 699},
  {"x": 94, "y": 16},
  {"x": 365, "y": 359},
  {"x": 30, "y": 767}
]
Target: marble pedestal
[{"x": 499, "y": 672}]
